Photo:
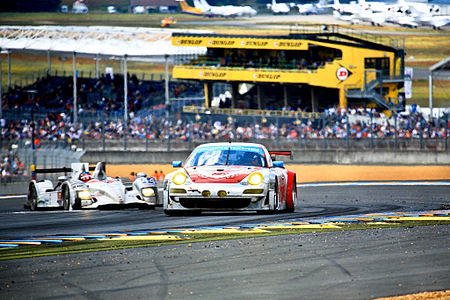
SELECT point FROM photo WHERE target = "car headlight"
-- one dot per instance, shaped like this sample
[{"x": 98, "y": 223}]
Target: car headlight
[
  {"x": 84, "y": 195},
  {"x": 148, "y": 192},
  {"x": 179, "y": 178},
  {"x": 255, "y": 178}
]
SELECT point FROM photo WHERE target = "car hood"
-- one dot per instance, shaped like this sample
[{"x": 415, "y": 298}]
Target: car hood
[
  {"x": 219, "y": 174},
  {"x": 111, "y": 188}
]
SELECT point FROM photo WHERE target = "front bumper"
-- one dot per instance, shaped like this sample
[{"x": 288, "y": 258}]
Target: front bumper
[
  {"x": 235, "y": 196},
  {"x": 130, "y": 199}
]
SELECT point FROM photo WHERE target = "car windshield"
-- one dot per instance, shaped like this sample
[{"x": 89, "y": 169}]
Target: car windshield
[{"x": 227, "y": 156}]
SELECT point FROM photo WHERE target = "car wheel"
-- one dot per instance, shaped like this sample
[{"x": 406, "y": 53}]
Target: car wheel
[
  {"x": 276, "y": 197},
  {"x": 77, "y": 204},
  {"x": 290, "y": 205},
  {"x": 32, "y": 198},
  {"x": 66, "y": 198}
]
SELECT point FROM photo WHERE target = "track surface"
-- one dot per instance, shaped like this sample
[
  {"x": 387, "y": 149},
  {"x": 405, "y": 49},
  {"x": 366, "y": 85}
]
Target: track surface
[
  {"x": 339, "y": 265},
  {"x": 313, "y": 201}
]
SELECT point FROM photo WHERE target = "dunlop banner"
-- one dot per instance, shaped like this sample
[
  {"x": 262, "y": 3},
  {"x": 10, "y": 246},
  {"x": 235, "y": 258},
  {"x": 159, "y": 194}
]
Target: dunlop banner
[
  {"x": 325, "y": 77},
  {"x": 242, "y": 43}
]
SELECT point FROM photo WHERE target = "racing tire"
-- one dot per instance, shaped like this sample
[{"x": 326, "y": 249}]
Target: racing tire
[
  {"x": 77, "y": 204},
  {"x": 290, "y": 205},
  {"x": 276, "y": 197},
  {"x": 32, "y": 198},
  {"x": 65, "y": 195},
  {"x": 275, "y": 203}
]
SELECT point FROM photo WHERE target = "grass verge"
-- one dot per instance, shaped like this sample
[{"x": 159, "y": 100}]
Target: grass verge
[{"x": 107, "y": 245}]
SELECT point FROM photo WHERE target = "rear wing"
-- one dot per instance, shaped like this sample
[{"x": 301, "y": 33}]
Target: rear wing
[
  {"x": 64, "y": 170},
  {"x": 284, "y": 153}
]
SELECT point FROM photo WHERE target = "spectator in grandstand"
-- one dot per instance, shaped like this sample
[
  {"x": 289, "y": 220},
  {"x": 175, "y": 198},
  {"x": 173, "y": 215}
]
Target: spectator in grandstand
[{"x": 58, "y": 126}]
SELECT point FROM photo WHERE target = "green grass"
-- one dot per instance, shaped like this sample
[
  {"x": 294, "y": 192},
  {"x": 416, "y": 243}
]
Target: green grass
[
  {"x": 95, "y": 246},
  {"x": 441, "y": 93},
  {"x": 91, "y": 19}
]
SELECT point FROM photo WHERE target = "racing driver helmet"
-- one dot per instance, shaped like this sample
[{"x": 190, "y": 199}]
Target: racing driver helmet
[{"x": 85, "y": 176}]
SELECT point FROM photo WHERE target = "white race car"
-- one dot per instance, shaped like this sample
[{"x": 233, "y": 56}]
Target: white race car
[
  {"x": 82, "y": 190},
  {"x": 230, "y": 176}
]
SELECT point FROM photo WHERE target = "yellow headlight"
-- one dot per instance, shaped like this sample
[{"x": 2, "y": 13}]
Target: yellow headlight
[
  {"x": 179, "y": 178},
  {"x": 148, "y": 192},
  {"x": 255, "y": 178},
  {"x": 84, "y": 195}
]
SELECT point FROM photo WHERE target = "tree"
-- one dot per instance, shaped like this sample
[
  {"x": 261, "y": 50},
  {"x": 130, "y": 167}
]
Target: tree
[{"x": 29, "y": 5}]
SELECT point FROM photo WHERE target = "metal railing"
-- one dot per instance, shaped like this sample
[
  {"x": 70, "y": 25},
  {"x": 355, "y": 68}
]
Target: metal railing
[
  {"x": 335, "y": 29},
  {"x": 53, "y": 154}
]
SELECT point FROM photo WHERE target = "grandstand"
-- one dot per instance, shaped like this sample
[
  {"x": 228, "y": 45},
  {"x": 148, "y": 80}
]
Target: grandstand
[
  {"x": 96, "y": 42},
  {"x": 305, "y": 70}
]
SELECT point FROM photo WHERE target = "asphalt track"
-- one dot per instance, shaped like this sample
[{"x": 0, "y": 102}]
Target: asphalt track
[
  {"x": 339, "y": 265},
  {"x": 16, "y": 222}
]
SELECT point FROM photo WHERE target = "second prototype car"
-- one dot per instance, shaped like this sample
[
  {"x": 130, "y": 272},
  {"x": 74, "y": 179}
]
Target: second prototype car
[
  {"x": 230, "y": 176},
  {"x": 83, "y": 190}
]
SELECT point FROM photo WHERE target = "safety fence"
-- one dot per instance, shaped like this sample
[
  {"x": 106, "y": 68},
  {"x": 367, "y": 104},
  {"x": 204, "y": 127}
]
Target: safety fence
[
  {"x": 309, "y": 132},
  {"x": 304, "y": 131},
  {"x": 49, "y": 155}
]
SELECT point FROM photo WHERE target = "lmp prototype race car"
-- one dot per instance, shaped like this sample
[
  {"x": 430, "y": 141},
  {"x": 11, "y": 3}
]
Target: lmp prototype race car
[
  {"x": 83, "y": 190},
  {"x": 230, "y": 176}
]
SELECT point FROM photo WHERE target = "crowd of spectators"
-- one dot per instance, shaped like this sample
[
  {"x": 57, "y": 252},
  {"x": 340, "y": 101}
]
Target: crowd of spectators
[
  {"x": 104, "y": 95},
  {"x": 335, "y": 123},
  {"x": 10, "y": 166},
  {"x": 50, "y": 99}
]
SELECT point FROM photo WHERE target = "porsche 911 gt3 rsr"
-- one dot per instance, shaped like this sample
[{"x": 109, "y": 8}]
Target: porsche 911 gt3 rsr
[
  {"x": 83, "y": 190},
  {"x": 230, "y": 176}
]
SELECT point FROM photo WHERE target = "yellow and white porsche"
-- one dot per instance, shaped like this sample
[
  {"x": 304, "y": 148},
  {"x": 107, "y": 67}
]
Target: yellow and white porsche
[{"x": 230, "y": 176}]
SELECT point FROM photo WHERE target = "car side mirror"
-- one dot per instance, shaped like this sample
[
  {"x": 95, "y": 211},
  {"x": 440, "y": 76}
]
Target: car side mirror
[
  {"x": 177, "y": 164},
  {"x": 278, "y": 164}
]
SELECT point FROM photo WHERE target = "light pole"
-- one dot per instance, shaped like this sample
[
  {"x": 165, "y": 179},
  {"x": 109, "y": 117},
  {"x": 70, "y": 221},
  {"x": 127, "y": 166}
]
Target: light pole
[
  {"x": 166, "y": 85},
  {"x": 31, "y": 94}
]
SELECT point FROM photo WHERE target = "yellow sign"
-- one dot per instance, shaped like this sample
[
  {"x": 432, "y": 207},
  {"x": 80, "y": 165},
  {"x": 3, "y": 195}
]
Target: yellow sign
[
  {"x": 242, "y": 43},
  {"x": 322, "y": 77}
]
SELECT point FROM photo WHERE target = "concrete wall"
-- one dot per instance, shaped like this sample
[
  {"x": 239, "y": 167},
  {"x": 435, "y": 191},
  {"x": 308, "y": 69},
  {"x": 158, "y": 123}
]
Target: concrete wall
[
  {"x": 299, "y": 156},
  {"x": 14, "y": 188}
]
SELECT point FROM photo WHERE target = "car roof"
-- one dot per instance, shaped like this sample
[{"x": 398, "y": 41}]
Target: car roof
[{"x": 232, "y": 144}]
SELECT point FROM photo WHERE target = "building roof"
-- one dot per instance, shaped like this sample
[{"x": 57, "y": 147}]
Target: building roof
[
  {"x": 133, "y": 42},
  {"x": 329, "y": 38},
  {"x": 442, "y": 65}
]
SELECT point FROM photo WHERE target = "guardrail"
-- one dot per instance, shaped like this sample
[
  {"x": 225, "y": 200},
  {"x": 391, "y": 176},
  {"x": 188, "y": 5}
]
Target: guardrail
[{"x": 251, "y": 112}]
